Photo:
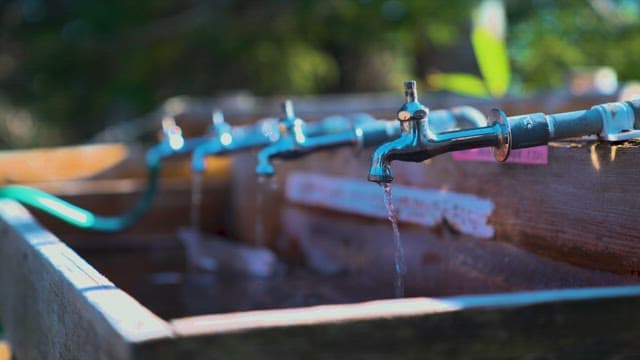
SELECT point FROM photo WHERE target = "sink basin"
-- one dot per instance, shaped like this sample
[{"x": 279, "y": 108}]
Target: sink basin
[{"x": 69, "y": 293}]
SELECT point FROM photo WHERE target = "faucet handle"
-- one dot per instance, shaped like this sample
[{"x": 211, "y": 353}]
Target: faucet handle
[
  {"x": 172, "y": 133},
  {"x": 218, "y": 125},
  {"x": 169, "y": 125},
  {"x": 287, "y": 109},
  {"x": 288, "y": 114},
  {"x": 410, "y": 91},
  {"x": 412, "y": 109},
  {"x": 267, "y": 127},
  {"x": 290, "y": 122}
]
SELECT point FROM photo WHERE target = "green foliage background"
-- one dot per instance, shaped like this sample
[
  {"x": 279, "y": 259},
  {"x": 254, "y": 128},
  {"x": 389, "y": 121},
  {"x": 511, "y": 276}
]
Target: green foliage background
[{"x": 76, "y": 66}]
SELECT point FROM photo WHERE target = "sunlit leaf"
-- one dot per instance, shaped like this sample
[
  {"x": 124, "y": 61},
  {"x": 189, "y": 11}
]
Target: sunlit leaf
[
  {"x": 459, "y": 83},
  {"x": 493, "y": 60}
]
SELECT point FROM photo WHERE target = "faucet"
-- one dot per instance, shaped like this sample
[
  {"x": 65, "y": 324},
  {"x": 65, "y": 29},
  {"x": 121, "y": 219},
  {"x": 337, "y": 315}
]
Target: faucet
[
  {"x": 172, "y": 142},
  {"x": 417, "y": 142},
  {"x": 299, "y": 139},
  {"x": 225, "y": 139}
]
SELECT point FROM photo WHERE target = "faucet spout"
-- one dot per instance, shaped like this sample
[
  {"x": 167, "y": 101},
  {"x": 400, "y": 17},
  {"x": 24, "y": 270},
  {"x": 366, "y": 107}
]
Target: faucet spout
[
  {"x": 201, "y": 152},
  {"x": 292, "y": 136},
  {"x": 380, "y": 170}
]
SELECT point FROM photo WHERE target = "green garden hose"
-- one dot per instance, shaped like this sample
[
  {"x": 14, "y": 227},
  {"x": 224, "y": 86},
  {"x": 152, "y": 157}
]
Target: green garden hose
[{"x": 78, "y": 216}]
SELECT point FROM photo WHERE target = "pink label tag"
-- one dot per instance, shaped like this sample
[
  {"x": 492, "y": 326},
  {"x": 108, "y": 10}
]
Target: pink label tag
[{"x": 538, "y": 155}]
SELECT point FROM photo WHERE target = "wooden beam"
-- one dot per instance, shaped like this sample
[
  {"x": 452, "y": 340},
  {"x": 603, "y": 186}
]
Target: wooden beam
[
  {"x": 55, "y": 305},
  {"x": 567, "y": 323},
  {"x": 62, "y": 163},
  {"x": 580, "y": 208}
]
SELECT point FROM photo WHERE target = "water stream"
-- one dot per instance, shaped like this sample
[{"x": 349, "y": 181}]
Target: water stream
[
  {"x": 196, "y": 201},
  {"x": 192, "y": 236},
  {"x": 259, "y": 230},
  {"x": 264, "y": 186},
  {"x": 401, "y": 267}
]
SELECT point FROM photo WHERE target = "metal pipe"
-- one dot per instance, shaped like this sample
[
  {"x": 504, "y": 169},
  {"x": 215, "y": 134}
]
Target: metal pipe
[
  {"x": 611, "y": 122},
  {"x": 365, "y": 131}
]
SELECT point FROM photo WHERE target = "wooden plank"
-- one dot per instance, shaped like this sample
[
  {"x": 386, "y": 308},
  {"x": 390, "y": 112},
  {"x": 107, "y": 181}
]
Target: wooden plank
[
  {"x": 438, "y": 263},
  {"x": 5, "y": 350},
  {"x": 54, "y": 305},
  {"x": 55, "y": 292},
  {"x": 65, "y": 168},
  {"x": 588, "y": 323},
  {"x": 169, "y": 211},
  {"x": 109, "y": 179},
  {"x": 62, "y": 163},
  {"x": 579, "y": 209}
]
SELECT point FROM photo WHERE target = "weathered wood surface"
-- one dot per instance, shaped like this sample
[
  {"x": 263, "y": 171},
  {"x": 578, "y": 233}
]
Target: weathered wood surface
[
  {"x": 58, "y": 164},
  {"x": 580, "y": 208},
  {"x": 51, "y": 168},
  {"x": 5, "y": 350},
  {"x": 438, "y": 262},
  {"x": 53, "y": 305},
  {"x": 169, "y": 211},
  {"x": 108, "y": 179},
  {"x": 518, "y": 326}
]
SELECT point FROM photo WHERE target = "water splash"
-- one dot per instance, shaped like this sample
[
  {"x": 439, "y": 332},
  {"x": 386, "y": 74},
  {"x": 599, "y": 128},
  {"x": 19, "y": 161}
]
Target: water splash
[{"x": 401, "y": 267}]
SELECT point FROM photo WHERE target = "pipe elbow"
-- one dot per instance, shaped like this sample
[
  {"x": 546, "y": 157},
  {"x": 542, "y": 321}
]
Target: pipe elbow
[
  {"x": 198, "y": 156},
  {"x": 469, "y": 117},
  {"x": 264, "y": 167},
  {"x": 198, "y": 164},
  {"x": 156, "y": 153}
]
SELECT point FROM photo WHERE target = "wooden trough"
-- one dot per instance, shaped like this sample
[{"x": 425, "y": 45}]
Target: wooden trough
[{"x": 548, "y": 270}]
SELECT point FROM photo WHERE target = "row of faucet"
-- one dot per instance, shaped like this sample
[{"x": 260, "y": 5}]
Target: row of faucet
[{"x": 419, "y": 134}]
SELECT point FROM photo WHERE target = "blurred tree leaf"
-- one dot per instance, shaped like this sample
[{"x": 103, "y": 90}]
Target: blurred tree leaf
[
  {"x": 460, "y": 83},
  {"x": 493, "y": 60},
  {"x": 77, "y": 66}
]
